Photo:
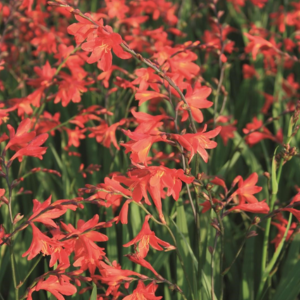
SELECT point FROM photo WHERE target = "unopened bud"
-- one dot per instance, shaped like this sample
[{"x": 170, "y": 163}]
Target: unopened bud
[
  {"x": 220, "y": 14},
  {"x": 212, "y": 6},
  {"x": 210, "y": 249},
  {"x": 205, "y": 196},
  {"x": 17, "y": 218},
  {"x": 215, "y": 225},
  {"x": 218, "y": 207},
  {"x": 188, "y": 171},
  {"x": 209, "y": 187},
  {"x": 256, "y": 220},
  {"x": 251, "y": 234},
  {"x": 4, "y": 200}
]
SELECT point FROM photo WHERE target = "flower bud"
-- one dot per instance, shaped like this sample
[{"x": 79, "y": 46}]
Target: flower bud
[{"x": 256, "y": 220}]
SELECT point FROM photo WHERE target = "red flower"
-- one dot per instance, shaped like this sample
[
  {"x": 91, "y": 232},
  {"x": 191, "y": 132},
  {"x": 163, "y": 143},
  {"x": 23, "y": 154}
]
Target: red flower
[
  {"x": 249, "y": 71},
  {"x": 56, "y": 286},
  {"x": 83, "y": 29},
  {"x": 227, "y": 131},
  {"x": 3, "y": 235},
  {"x": 114, "y": 275},
  {"x": 147, "y": 237},
  {"x": 147, "y": 123},
  {"x": 269, "y": 99},
  {"x": 281, "y": 230},
  {"x": 154, "y": 180},
  {"x": 196, "y": 99},
  {"x": 146, "y": 78},
  {"x": 207, "y": 205},
  {"x": 50, "y": 212},
  {"x": 292, "y": 210},
  {"x": 258, "y": 207},
  {"x": 22, "y": 137},
  {"x": 143, "y": 292},
  {"x": 257, "y": 43},
  {"x": 140, "y": 145},
  {"x": 106, "y": 134},
  {"x": 246, "y": 189},
  {"x": 24, "y": 142},
  {"x": 40, "y": 243},
  {"x": 87, "y": 253},
  {"x": 254, "y": 136},
  {"x": 102, "y": 45},
  {"x": 198, "y": 142},
  {"x": 143, "y": 96},
  {"x": 33, "y": 148},
  {"x": 136, "y": 258}
]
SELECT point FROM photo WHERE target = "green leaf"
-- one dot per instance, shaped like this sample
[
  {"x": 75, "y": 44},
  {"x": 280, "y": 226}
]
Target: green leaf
[
  {"x": 274, "y": 177},
  {"x": 112, "y": 243},
  {"x": 184, "y": 251},
  {"x": 289, "y": 285},
  {"x": 207, "y": 286},
  {"x": 94, "y": 292},
  {"x": 195, "y": 262}
]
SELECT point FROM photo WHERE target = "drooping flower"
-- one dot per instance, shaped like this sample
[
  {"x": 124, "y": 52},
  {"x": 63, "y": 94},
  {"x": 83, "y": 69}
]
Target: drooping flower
[
  {"x": 147, "y": 237},
  {"x": 196, "y": 99},
  {"x": 246, "y": 189},
  {"x": 101, "y": 46},
  {"x": 57, "y": 286},
  {"x": 143, "y": 292}
]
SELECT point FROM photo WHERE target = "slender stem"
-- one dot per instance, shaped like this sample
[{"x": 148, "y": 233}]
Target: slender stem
[
  {"x": 12, "y": 257},
  {"x": 30, "y": 271},
  {"x": 173, "y": 238},
  {"x": 180, "y": 258},
  {"x": 12, "y": 260},
  {"x": 212, "y": 268},
  {"x": 222, "y": 252},
  {"x": 150, "y": 64},
  {"x": 272, "y": 262},
  {"x": 238, "y": 252}
]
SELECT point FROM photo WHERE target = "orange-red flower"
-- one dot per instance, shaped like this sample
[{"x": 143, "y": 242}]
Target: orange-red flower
[
  {"x": 81, "y": 240},
  {"x": 256, "y": 132},
  {"x": 101, "y": 46},
  {"x": 258, "y": 207},
  {"x": 198, "y": 142},
  {"x": 246, "y": 189},
  {"x": 147, "y": 237},
  {"x": 57, "y": 286},
  {"x": 24, "y": 142},
  {"x": 143, "y": 292},
  {"x": 196, "y": 99}
]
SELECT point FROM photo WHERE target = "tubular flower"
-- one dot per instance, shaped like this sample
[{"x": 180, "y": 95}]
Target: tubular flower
[
  {"x": 147, "y": 237},
  {"x": 143, "y": 292},
  {"x": 56, "y": 286},
  {"x": 101, "y": 47},
  {"x": 246, "y": 189}
]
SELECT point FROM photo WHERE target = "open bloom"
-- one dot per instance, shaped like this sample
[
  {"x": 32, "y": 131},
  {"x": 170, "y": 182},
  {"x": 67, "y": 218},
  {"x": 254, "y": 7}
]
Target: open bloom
[
  {"x": 56, "y": 286},
  {"x": 101, "y": 47},
  {"x": 143, "y": 292},
  {"x": 147, "y": 237}
]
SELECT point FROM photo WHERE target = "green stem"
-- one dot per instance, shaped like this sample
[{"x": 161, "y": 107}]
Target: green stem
[
  {"x": 238, "y": 252},
  {"x": 174, "y": 241},
  {"x": 272, "y": 262},
  {"x": 30, "y": 271},
  {"x": 12, "y": 260}
]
